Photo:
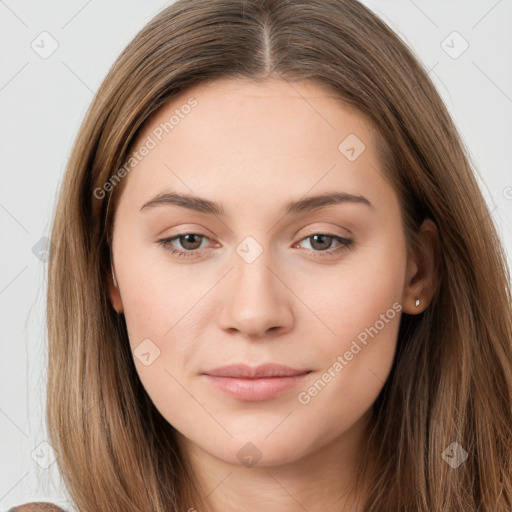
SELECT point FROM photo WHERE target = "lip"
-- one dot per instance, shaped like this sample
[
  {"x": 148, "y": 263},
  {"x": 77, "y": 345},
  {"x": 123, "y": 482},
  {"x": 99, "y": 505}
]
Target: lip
[{"x": 255, "y": 383}]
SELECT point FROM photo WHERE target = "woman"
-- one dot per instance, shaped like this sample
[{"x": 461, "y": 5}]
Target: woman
[{"x": 274, "y": 282}]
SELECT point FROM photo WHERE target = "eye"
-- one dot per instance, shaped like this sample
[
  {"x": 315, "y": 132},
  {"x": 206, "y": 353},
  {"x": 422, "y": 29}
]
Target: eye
[
  {"x": 189, "y": 242},
  {"x": 321, "y": 243}
]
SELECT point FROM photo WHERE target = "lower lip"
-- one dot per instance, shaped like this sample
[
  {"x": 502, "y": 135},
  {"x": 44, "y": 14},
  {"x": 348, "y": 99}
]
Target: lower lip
[{"x": 254, "y": 390}]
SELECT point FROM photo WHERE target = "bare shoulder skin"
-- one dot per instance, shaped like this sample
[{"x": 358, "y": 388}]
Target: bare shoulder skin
[{"x": 36, "y": 507}]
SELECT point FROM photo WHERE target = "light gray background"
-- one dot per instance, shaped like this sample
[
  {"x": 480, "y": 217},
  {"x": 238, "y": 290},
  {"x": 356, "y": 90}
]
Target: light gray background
[{"x": 42, "y": 102}]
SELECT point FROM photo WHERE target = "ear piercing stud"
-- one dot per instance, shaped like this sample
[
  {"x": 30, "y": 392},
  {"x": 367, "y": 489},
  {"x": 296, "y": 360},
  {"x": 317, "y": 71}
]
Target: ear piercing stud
[{"x": 417, "y": 302}]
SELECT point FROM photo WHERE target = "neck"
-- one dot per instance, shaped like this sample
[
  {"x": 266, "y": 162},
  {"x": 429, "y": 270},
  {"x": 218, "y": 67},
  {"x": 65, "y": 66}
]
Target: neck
[{"x": 324, "y": 480}]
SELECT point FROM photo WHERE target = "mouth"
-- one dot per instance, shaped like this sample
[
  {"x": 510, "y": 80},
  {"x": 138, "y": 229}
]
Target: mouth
[{"x": 255, "y": 383}]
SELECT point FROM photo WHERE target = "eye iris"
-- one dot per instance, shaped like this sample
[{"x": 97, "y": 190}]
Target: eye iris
[
  {"x": 322, "y": 239},
  {"x": 189, "y": 239}
]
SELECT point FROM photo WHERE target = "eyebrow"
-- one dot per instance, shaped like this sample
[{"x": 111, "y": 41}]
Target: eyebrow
[{"x": 203, "y": 205}]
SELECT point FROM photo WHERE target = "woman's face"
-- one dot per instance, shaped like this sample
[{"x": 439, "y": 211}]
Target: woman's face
[{"x": 264, "y": 270}]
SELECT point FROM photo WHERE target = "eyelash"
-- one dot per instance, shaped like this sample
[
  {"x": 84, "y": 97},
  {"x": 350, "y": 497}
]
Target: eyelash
[{"x": 345, "y": 243}]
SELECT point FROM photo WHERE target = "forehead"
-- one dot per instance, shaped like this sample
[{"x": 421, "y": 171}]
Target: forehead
[
  {"x": 253, "y": 138},
  {"x": 234, "y": 109}
]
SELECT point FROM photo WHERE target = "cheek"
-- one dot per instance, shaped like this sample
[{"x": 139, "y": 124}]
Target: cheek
[
  {"x": 156, "y": 293},
  {"x": 351, "y": 296},
  {"x": 166, "y": 307},
  {"x": 359, "y": 308}
]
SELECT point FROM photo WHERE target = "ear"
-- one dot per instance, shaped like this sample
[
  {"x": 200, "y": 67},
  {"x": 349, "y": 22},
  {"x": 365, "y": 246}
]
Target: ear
[
  {"x": 421, "y": 274},
  {"x": 115, "y": 296}
]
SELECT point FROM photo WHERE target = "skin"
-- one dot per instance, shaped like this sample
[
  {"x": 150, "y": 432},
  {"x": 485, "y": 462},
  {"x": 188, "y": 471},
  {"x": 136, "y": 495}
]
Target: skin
[{"x": 254, "y": 148}]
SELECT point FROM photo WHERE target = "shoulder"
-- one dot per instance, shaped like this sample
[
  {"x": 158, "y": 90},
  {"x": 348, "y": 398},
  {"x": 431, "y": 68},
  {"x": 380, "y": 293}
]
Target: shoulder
[{"x": 36, "y": 507}]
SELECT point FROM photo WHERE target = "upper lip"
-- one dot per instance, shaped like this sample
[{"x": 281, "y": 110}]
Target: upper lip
[{"x": 243, "y": 371}]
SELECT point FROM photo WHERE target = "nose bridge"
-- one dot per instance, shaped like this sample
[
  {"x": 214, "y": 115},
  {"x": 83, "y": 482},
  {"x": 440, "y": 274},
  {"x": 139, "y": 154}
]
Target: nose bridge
[
  {"x": 255, "y": 299},
  {"x": 254, "y": 280},
  {"x": 252, "y": 262}
]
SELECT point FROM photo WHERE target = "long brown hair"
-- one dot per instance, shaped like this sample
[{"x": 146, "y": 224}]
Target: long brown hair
[{"x": 451, "y": 380}]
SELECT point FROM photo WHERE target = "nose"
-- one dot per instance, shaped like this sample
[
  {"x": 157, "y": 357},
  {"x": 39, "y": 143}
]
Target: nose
[{"x": 257, "y": 301}]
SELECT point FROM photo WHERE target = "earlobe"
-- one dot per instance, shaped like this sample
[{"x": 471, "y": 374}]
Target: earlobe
[
  {"x": 115, "y": 296},
  {"x": 421, "y": 276}
]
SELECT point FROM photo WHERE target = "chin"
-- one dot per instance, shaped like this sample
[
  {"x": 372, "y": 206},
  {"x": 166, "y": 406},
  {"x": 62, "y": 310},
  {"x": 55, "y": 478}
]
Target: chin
[{"x": 257, "y": 449}]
